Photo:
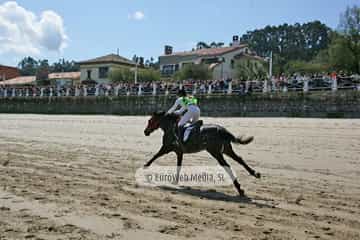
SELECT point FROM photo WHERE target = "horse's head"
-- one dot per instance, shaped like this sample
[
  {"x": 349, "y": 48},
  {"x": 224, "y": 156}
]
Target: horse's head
[{"x": 154, "y": 122}]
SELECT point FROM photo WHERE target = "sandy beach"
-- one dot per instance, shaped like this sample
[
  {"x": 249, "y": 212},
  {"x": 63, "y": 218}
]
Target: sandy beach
[{"x": 73, "y": 177}]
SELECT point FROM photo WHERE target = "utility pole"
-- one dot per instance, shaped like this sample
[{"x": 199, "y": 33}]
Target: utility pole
[
  {"x": 136, "y": 69},
  {"x": 270, "y": 65},
  {"x": 265, "y": 87}
]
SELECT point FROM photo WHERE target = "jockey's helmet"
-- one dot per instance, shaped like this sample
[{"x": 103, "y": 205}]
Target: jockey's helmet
[{"x": 181, "y": 93}]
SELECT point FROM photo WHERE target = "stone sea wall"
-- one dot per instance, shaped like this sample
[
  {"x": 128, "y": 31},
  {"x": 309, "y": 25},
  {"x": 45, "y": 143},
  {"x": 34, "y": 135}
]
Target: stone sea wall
[{"x": 344, "y": 104}]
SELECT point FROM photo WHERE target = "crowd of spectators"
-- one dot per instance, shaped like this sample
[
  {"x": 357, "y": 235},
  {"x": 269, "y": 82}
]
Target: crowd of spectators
[{"x": 282, "y": 83}]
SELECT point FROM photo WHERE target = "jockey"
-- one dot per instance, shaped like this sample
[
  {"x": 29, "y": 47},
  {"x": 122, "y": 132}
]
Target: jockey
[{"x": 189, "y": 104}]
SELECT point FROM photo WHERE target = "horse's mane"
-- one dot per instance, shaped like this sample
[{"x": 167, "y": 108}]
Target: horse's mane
[
  {"x": 171, "y": 116},
  {"x": 159, "y": 113},
  {"x": 174, "y": 117}
]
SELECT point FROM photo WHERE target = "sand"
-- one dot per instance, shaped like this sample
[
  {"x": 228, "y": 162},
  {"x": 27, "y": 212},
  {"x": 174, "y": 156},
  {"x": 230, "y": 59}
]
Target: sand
[{"x": 72, "y": 177}]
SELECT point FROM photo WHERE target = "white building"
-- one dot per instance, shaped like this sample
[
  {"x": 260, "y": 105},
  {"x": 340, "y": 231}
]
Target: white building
[
  {"x": 220, "y": 60},
  {"x": 97, "y": 70}
]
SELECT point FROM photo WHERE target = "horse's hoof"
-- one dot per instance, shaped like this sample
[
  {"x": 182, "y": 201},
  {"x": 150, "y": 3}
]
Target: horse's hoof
[
  {"x": 176, "y": 183},
  {"x": 257, "y": 175},
  {"x": 241, "y": 193}
]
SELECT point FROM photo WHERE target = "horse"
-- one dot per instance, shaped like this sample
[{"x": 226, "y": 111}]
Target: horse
[{"x": 213, "y": 138}]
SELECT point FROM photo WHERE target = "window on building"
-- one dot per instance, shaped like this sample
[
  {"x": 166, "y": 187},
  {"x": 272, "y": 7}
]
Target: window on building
[
  {"x": 88, "y": 74},
  {"x": 168, "y": 69},
  {"x": 210, "y": 60},
  {"x": 103, "y": 72},
  {"x": 232, "y": 63}
]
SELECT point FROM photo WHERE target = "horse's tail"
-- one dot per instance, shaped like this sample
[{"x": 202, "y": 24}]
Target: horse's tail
[
  {"x": 243, "y": 140},
  {"x": 237, "y": 140}
]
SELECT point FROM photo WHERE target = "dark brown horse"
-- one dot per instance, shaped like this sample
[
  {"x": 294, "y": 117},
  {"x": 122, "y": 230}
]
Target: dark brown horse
[{"x": 213, "y": 138}]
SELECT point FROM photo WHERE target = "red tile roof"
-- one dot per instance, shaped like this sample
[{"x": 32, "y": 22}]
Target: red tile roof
[
  {"x": 208, "y": 51},
  {"x": 8, "y": 66},
  {"x": 111, "y": 58},
  {"x": 19, "y": 81},
  {"x": 7, "y": 72},
  {"x": 65, "y": 75}
]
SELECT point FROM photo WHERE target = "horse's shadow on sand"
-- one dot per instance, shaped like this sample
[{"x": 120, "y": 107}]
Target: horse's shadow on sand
[{"x": 219, "y": 196}]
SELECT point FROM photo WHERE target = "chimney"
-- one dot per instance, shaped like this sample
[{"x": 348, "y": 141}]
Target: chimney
[
  {"x": 235, "y": 40},
  {"x": 168, "y": 50}
]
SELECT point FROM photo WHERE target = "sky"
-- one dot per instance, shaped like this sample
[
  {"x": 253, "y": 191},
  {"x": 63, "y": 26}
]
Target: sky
[{"x": 80, "y": 30}]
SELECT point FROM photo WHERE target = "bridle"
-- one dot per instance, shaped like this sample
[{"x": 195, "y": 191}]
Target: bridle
[{"x": 153, "y": 124}]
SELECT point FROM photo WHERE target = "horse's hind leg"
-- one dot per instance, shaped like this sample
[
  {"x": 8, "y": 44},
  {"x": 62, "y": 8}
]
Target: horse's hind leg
[
  {"x": 178, "y": 167},
  {"x": 219, "y": 157},
  {"x": 228, "y": 150}
]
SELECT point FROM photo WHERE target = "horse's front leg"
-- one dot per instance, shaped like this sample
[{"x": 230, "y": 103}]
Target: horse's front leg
[{"x": 163, "y": 150}]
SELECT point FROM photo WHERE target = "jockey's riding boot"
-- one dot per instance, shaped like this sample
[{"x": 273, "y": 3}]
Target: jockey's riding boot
[{"x": 180, "y": 134}]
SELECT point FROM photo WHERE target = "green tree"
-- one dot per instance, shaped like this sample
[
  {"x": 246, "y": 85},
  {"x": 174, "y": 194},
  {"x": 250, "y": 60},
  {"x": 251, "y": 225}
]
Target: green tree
[
  {"x": 322, "y": 57},
  {"x": 279, "y": 63},
  {"x": 350, "y": 22},
  {"x": 289, "y": 42},
  {"x": 201, "y": 45},
  {"x": 64, "y": 66},
  {"x": 342, "y": 57},
  {"x": 148, "y": 75},
  {"x": 343, "y": 53},
  {"x": 126, "y": 75},
  {"x": 42, "y": 73},
  {"x": 250, "y": 69},
  {"x": 194, "y": 71},
  {"x": 150, "y": 63},
  {"x": 303, "y": 67},
  {"x": 28, "y": 66},
  {"x": 216, "y": 44},
  {"x": 349, "y": 28},
  {"x": 121, "y": 75}
]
